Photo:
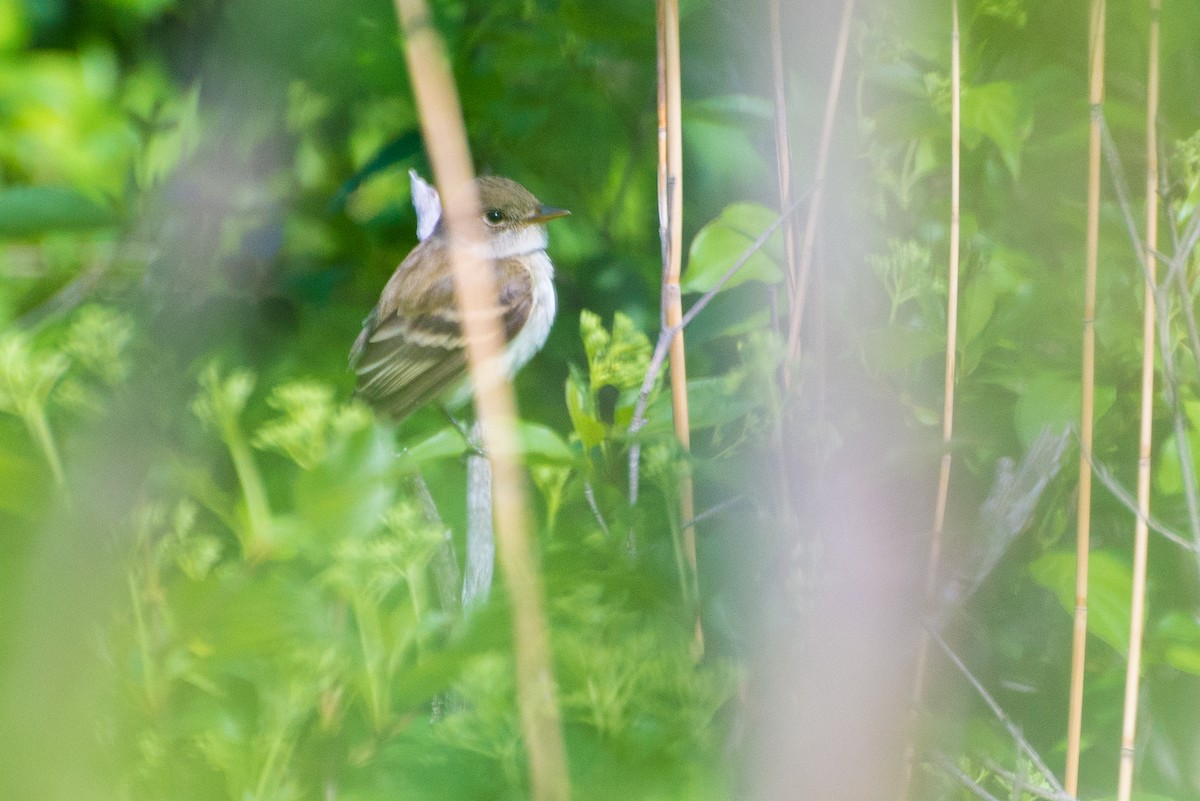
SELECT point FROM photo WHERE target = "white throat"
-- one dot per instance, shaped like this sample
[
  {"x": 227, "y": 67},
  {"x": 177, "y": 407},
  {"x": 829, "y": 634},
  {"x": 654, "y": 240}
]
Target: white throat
[{"x": 517, "y": 241}]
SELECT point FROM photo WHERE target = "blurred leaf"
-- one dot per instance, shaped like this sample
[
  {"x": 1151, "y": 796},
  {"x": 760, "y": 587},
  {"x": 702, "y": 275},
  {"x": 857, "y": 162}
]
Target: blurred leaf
[
  {"x": 720, "y": 243},
  {"x": 543, "y": 444},
  {"x": 589, "y": 430},
  {"x": 31, "y": 210},
  {"x": 445, "y": 443},
  {"x": 711, "y": 402},
  {"x": 895, "y": 348},
  {"x": 1050, "y": 399},
  {"x": 350, "y": 490},
  {"x": 1177, "y": 636},
  {"x": 992, "y": 110},
  {"x": 1110, "y": 587}
]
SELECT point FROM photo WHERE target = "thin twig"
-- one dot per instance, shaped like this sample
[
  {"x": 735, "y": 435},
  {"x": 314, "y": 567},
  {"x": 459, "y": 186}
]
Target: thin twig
[
  {"x": 799, "y": 294},
  {"x": 475, "y": 292},
  {"x": 590, "y": 494},
  {"x": 666, "y": 334},
  {"x": 1142, "y": 251},
  {"x": 447, "y": 577},
  {"x": 947, "y": 764},
  {"x": 1021, "y": 784},
  {"x": 728, "y": 503},
  {"x": 1013, "y": 730},
  {"x": 1129, "y": 502}
]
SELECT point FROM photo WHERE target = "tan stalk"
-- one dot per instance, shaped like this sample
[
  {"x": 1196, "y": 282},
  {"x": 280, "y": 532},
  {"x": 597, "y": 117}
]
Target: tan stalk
[
  {"x": 804, "y": 268},
  {"x": 1087, "y": 399},
  {"x": 783, "y": 157},
  {"x": 943, "y": 487},
  {"x": 670, "y": 221},
  {"x": 475, "y": 290},
  {"x": 1141, "y": 536},
  {"x": 783, "y": 147}
]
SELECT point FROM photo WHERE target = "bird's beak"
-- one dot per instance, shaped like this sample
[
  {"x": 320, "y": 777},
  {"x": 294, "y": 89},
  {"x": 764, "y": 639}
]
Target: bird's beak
[{"x": 547, "y": 213}]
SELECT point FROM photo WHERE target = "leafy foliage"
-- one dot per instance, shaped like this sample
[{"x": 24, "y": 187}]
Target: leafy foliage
[{"x": 221, "y": 583}]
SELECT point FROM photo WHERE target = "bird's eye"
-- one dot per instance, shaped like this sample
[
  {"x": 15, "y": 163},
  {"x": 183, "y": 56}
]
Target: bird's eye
[{"x": 494, "y": 216}]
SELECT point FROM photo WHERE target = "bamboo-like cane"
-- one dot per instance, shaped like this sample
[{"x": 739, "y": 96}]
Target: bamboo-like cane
[
  {"x": 670, "y": 222},
  {"x": 943, "y": 486},
  {"x": 804, "y": 268},
  {"x": 1087, "y": 399},
  {"x": 1141, "y": 537},
  {"x": 475, "y": 291}
]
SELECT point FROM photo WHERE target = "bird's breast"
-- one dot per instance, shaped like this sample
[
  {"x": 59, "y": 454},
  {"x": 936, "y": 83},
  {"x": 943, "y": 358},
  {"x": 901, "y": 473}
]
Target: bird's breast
[{"x": 532, "y": 336}]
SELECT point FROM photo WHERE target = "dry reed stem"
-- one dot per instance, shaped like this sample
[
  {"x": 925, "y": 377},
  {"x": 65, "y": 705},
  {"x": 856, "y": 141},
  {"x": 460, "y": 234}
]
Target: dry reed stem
[
  {"x": 1137, "y": 606},
  {"x": 783, "y": 158},
  {"x": 475, "y": 290},
  {"x": 1087, "y": 398},
  {"x": 804, "y": 268},
  {"x": 943, "y": 486},
  {"x": 670, "y": 220},
  {"x": 783, "y": 148}
]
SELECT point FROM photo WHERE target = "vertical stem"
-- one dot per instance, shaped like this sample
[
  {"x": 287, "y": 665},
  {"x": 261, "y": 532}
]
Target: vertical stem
[
  {"x": 783, "y": 156},
  {"x": 1137, "y": 606},
  {"x": 800, "y": 283},
  {"x": 670, "y": 211},
  {"x": 951, "y": 301},
  {"x": 1087, "y": 400},
  {"x": 256, "y": 538},
  {"x": 475, "y": 291},
  {"x": 39, "y": 427},
  {"x": 943, "y": 486},
  {"x": 783, "y": 148}
]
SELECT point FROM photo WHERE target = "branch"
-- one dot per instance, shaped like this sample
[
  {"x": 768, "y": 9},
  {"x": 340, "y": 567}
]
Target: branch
[
  {"x": 1015, "y": 732},
  {"x": 667, "y": 333}
]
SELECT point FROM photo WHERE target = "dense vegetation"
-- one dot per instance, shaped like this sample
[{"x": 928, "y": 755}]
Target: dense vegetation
[{"x": 216, "y": 582}]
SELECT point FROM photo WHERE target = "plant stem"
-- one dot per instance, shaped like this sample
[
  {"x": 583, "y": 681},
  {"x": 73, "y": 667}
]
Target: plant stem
[
  {"x": 39, "y": 429},
  {"x": 445, "y": 139},
  {"x": 256, "y": 534},
  {"x": 670, "y": 221},
  {"x": 1087, "y": 399},
  {"x": 800, "y": 292},
  {"x": 1141, "y": 537},
  {"x": 943, "y": 485}
]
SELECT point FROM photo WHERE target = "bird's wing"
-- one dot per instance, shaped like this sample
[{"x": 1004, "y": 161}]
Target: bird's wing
[{"x": 411, "y": 350}]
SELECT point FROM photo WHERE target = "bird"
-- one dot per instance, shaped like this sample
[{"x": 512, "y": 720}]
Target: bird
[{"x": 410, "y": 351}]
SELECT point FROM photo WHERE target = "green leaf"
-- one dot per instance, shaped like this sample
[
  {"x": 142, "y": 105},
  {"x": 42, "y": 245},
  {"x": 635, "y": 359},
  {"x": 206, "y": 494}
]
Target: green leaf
[
  {"x": 1110, "y": 587},
  {"x": 723, "y": 241},
  {"x": 1168, "y": 473},
  {"x": 350, "y": 489},
  {"x": 893, "y": 348},
  {"x": 30, "y": 210},
  {"x": 446, "y": 443},
  {"x": 1052, "y": 399},
  {"x": 1177, "y": 636},
  {"x": 711, "y": 402},
  {"x": 589, "y": 430},
  {"x": 992, "y": 110},
  {"x": 543, "y": 443}
]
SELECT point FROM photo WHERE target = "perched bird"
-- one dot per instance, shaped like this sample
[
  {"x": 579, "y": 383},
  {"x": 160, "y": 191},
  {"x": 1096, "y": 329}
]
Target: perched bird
[{"x": 411, "y": 350}]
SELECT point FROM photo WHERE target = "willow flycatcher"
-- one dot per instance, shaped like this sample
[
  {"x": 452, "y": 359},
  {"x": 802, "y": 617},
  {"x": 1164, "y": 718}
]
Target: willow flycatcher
[{"x": 411, "y": 349}]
